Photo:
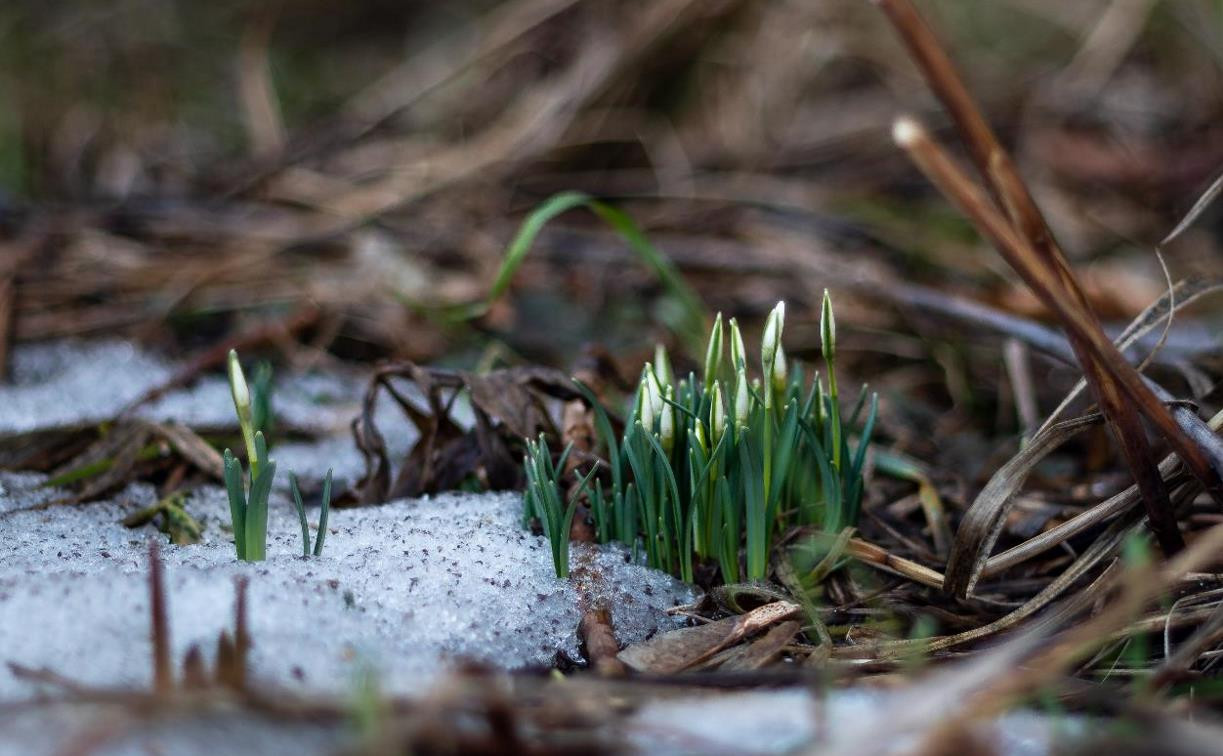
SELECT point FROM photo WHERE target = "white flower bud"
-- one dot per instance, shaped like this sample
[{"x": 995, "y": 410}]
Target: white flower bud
[
  {"x": 828, "y": 329},
  {"x": 662, "y": 366},
  {"x": 713, "y": 353},
  {"x": 237, "y": 385},
  {"x": 645, "y": 406},
  {"x": 780, "y": 371},
  {"x": 718, "y": 414},
  {"x": 702, "y": 438},
  {"x": 666, "y": 426},
  {"x": 772, "y": 336},
  {"x": 654, "y": 390},
  {"x": 738, "y": 355},
  {"x": 742, "y": 400}
]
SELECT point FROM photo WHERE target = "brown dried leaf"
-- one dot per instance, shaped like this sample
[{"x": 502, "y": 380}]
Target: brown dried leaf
[
  {"x": 762, "y": 651},
  {"x": 668, "y": 653},
  {"x": 985, "y": 519},
  {"x": 509, "y": 405}
]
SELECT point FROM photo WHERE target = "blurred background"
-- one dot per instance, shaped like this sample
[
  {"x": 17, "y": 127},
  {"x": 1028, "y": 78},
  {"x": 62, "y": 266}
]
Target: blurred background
[{"x": 177, "y": 172}]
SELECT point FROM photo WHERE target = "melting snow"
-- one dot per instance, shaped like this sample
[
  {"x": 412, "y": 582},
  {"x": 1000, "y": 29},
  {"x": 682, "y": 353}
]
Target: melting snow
[{"x": 407, "y": 587}]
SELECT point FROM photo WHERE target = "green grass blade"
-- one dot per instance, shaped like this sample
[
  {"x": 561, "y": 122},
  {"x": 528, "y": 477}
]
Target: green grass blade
[
  {"x": 834, "y": 515},
  {"x": 864, "y": 441},
  {"x": 604, "y": 427},
  {"x": 693, "y": 319},
  {"x": 323, "y": 515},
  {"x": 522, "y": 242},
  {"x": 237, "y": 502},
  {"x": 301, "y": 514},
  {"x": 677, "y": 530},
  {"x": 755, "y": 523},
  {"x": 257, "y": 514}
]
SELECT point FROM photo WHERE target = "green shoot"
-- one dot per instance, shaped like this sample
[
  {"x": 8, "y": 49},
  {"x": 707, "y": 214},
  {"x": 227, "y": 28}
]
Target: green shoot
[
  {"x": 695, "y": 477},
  {"x": 248, "y": 508},
  {"x": 543, "y": 500},
  {"x": 301, "y": 515}
]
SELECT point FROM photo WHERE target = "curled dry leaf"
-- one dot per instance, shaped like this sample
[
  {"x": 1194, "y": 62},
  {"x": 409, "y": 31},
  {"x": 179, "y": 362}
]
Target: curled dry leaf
[
  {"x": 678, "y": 650},
  {"x": 509, "y": 405},
  {"x": 764, "y": 650},
  {"x": 984, "y": 520}
]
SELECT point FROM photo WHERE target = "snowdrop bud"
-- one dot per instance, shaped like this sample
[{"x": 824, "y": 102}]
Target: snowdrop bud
[
  {"x": 780, "y": 373},
  {"x": 828, "y": 330},
  {"x": 655, "y": 391},
  {"x": 738, "y": 355},
  {"x": 645, "y": 403},
  {"x": 742, "y": 399},
  {"x": 237, "y": 385},
  {"x": 666, "y": 426},
  {"x": 772, "y": 336},
  {"x": 718, "y": 414},
  {"x": 662, "y": 366},
  {"x": 702, "y": 438},
  {"x": 713, "y": 353}
]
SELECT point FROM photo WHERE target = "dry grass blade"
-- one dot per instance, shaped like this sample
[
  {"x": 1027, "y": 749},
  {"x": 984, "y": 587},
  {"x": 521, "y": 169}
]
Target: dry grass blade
[
  {"x": 446, "y": 60},
  {"x": 762, "y": 651},
  {"x": 1170, "y": 468},
  {"x": 1126, "y": 390},
  {"x": 992, "y": 681},
  {"x": 880, "y": 558},
  {"x": 1199, "y": 207},
  {"x": 1041, "y": 263},
  {"x": 191, "y": 447},
  {"x": 1182, "y": 294},
  {"x": 985, "y": 518},
  {"x": 265, "y": 129},
  {"x": 14, "y": 256},
  {"x": 918, "y": 709},
  {"x": 1103, "y": 548},
  {"x": 1177, "y": 665},
  {"x": 1138, "y": 587},
  {"x": 1055, "y": 345}
]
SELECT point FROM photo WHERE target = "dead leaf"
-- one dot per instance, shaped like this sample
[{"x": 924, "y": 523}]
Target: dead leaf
[
  {"x": 668, "y": 653},
  {"x": 764, "y": 650},
  {"x": 509, "y": 405}
]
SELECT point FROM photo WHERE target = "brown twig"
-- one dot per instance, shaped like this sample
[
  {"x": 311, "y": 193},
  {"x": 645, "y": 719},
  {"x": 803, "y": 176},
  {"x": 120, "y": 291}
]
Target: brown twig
[
  {"x": 163, "y": 675},
  {"x": 1117, "y": 386},
  {"x": 1101, "y": 362},
  {"x": 599, "y": 640},
  {"x": 1083, "y": 329}
]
